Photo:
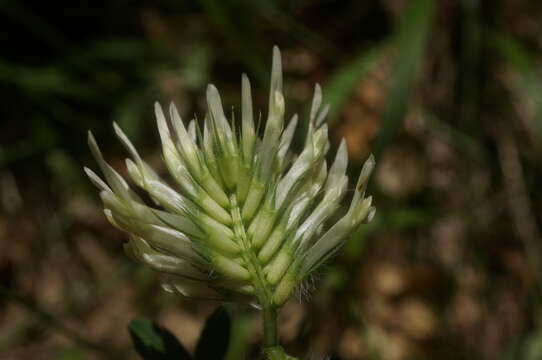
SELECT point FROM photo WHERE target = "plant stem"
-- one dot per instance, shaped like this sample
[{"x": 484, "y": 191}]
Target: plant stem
[
  {"x": 272, "y": 349},
  {"x": 270, "y": 326}
]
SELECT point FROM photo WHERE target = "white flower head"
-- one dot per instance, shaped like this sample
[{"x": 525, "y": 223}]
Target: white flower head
[{"x": 247, "y": 219}]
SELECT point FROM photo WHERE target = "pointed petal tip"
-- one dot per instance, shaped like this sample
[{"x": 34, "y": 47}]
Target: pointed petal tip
[
  {"x": 117, "y": 129},
  {"x": 370, "y": 164},
  {"x": 371, "y": 159},
  {"x": 276, "y": 73},
  {"x": 157, "y": 107},
  {"x": 213, "y": 97},
  {"x": 159, "y": 112},
  {"x": 93, "y": 145},
  {"x": 119, "y": 132},
  {"x": 90, "y": 174},
  {"x": 126, "y": 141},
  {"x": 279, "y": 100},
  {"x": 322, "y": 114},
  {"x": 342, "y": 151},
  {"x": 371, "y": 214},
  {"x": 368, "y": 167},
  {"x": 211, "y": 88},
  {"x": 174, "y": 113},
  {"x": 245, "y": 83},
  {"x": 96, "y": 180}
]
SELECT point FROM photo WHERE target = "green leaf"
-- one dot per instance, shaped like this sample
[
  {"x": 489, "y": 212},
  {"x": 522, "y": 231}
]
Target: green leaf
[
  {"x": 153, "y": 342},
  {"x": 214, "y": 339}
]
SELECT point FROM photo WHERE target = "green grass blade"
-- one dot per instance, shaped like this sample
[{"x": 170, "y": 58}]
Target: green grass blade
[
  {"x": 238, "y": 39},
  {"x": 410, "y": 42},
  {"x": 523, "y": 63},
  {"x": 344, "y": 80}
]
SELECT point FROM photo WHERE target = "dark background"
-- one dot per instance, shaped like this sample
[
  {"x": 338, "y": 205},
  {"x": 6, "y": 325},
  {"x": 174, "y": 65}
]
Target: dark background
[{"x": 447, "y": 94}]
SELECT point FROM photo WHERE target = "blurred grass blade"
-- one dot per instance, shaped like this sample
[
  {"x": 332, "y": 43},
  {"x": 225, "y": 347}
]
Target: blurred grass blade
[
  {"x": 71, "y": 353},
  {"x": 38, "y": 25},
  {"x": 48, "y": 80},
  {"x": 345, "y": 79},
  {"x": 215, "y": 337},
  {"x": 154, "y": 342},
  {"x": 50, "y": 320},
  {"x": 240, "y": 41},
  {"x": 410, "y": 41},
  {"x": 530, "y": 77},
  {"x": 468, "y": 79},
  {"x": 128, "y": 115},
  {"x": 284, "y": 20}
]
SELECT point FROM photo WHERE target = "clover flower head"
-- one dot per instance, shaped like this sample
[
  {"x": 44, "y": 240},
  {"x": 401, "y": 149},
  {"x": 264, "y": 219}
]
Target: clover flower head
[{"x": 246, "y": 218}]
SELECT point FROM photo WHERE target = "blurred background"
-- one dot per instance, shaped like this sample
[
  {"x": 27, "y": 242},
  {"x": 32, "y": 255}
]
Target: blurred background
[{"x": 447, "y": 94}]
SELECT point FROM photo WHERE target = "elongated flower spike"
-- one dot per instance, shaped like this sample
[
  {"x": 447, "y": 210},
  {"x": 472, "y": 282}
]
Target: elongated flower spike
[{"x": 246, "y": 218}]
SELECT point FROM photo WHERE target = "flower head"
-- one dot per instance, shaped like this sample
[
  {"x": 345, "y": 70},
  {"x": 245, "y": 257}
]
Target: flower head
[{"x": 246, "y": 219}]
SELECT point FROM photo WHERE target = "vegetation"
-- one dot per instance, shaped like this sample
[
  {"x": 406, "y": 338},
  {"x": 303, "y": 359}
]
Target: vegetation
[{"x": 448, "y": 95}]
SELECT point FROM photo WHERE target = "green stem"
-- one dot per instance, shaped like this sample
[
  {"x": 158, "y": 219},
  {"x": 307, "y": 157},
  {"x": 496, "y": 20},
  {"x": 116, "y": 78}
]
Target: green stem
[
  {"x": 272, "y": 349},
  {"x": 270, "y": 326}
]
